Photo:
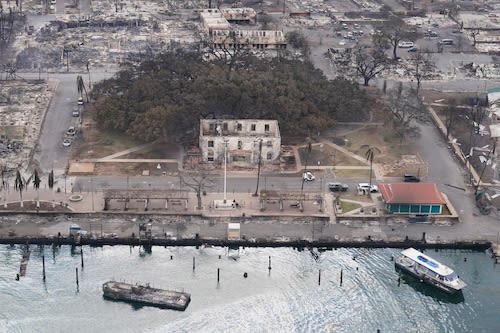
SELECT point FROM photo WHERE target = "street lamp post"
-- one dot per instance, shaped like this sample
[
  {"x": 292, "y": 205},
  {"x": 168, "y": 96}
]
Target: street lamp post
[
  {"x": 92, "y": 191},
  {"x": 258, "y": 169},
  {"x": 225, "y": 169}
]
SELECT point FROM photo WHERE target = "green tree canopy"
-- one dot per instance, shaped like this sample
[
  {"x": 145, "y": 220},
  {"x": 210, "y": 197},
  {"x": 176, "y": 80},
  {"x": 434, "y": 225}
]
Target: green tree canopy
[{"x": 164, "y": 98}]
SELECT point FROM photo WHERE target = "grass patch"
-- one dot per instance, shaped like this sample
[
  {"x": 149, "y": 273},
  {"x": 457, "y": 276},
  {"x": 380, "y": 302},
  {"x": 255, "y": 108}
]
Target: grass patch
[
  {"x": 352, "y": 173},
  {"x": 348, "y": 206},
  {"x": 327, "y": 155},
  {"x": 388, "y": 148},
  {"x": 99, "y": 144},
  {"x": 156, "y": 151}
]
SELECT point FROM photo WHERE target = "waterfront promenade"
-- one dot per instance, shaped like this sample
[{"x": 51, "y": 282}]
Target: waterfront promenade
[{"x": 258, "y": 226}]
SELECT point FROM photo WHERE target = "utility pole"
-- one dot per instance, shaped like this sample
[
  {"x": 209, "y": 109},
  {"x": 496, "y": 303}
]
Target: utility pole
[
  {"x": 256, "y": 194},
  {"x": 225, "y": 169},
  {"x": 491, "y": 153},
  {"x": 309, "y": 149}
]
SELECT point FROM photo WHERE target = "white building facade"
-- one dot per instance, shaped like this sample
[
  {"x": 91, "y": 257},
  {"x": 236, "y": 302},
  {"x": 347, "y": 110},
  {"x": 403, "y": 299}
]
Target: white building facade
[{"x": 240, "y": 139}]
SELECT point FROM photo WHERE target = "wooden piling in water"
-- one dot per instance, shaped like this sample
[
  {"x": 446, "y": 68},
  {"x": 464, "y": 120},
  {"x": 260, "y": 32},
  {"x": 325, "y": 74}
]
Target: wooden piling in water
[
  {"x": 43, "y": 266},
  {"x": 81, "y": 255},
  {"x": 194, "y": 264},
  {"x": 269, "y": 267},
  {"x": 24, "y": 262},
  {"x": 218, "y": 274},
  {"x": 77, "y": 284},
  {"x": 341, "y": 275},
  {"x": 319, "y": 278}
]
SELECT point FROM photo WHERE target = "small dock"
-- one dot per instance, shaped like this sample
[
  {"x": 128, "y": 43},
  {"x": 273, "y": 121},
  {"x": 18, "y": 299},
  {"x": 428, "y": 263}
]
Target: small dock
[{"x": 24, "y": 262}]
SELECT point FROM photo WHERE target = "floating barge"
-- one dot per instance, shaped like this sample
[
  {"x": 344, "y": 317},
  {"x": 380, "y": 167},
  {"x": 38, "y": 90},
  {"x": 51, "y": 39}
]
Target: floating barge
[{"x": 146, "y": 295}]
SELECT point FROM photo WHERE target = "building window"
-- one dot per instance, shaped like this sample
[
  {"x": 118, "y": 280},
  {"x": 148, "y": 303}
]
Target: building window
[
  {"x": 240, "y": 144},
  {"x": 210, "y": 158},
  {"x": 211, "y": 127},
  {"x": 211, "y": 143},
  {"x": 269, "y": 143},
  {"x": 224, "y": 127},
  {"x": 239, "y": 127},
  {"x": 269, "y": 156},
  {"x": 253, "y": 127},
  {"x": 266, "y": 127}
]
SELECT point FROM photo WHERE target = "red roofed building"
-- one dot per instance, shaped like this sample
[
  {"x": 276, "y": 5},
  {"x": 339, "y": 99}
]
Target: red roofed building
[{"x": 412, "y": 198}]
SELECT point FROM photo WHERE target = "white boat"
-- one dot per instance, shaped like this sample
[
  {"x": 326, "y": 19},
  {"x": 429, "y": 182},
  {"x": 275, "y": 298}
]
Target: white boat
[{"x": 429, "y": 271}]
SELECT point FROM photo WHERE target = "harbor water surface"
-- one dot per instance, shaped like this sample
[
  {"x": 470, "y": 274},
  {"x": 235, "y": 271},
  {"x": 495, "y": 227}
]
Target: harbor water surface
[{"x": 342, "y": 290}]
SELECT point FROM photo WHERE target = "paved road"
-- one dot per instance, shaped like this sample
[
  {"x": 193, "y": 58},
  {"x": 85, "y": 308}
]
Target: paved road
[
  {"x": 51, "y": 153},
  {"x": 443, "y": 168}
]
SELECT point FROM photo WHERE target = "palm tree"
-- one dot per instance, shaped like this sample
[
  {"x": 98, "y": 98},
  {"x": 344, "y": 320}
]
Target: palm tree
[
  {"x": 370, "y": 155},
  {"x": 258, "y": 169},
  {"x": 80, "y": 86},
  {"x": 36, "y": 185},
  {"x": 309, "y": 150},
  {"x": 20, "y": 184}
]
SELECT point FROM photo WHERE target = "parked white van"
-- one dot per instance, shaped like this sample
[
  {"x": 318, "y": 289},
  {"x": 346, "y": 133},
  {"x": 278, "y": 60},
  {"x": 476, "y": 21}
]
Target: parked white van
[
  {"x": 405, "y": 45},
  {"x": 365, "y": 187}
]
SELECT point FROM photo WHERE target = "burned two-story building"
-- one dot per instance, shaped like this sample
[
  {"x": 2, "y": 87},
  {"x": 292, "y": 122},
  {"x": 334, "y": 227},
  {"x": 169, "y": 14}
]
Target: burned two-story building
[
  {"x": 244, "y": 141},
  {"x": 216, "y": 24}
]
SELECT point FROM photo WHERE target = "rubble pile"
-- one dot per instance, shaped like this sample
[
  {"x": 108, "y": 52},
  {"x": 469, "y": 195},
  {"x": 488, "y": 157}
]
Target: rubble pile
[
  {"x": 22, "y": 106},
  {"x": 407, "y": 164},
  {"x": 114, "y": 33},
  {"x": 490, "y": 71}
]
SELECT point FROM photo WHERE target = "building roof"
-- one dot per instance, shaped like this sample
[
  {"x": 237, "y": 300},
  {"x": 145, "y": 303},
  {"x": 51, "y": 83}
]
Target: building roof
[
  {"x": 411, "y": 193},
  {"x": 427, "y": 261}
]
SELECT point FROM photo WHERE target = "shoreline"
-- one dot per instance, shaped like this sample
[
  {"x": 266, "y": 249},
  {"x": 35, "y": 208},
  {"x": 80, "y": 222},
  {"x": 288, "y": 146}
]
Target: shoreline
[
  {"x": 199, "y": 242},
  {"x": 101, "y": 229}
]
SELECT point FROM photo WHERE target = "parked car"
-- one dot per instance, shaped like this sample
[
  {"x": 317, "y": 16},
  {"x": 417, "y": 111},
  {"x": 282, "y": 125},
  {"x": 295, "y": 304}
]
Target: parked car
[
  {"x": 409, "y": 178},
  {"x": 338, "y": 187},
  {"x": 308, "y": 176},
  {"x": 66, "y": 142},
  {"x": 76, "y": 112},
  {"x": 80, "y": 101},
  {"x": 412, "y": 49},
  {"x": 364, "y": 187},
  {"x": 406, "y": 45},
  {"x": 446, "y": 41},
  {"x": 71, "y": 131}
]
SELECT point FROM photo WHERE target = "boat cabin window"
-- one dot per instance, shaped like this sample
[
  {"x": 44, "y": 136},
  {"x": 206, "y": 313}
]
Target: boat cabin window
[{"x": 451, "y": 277}]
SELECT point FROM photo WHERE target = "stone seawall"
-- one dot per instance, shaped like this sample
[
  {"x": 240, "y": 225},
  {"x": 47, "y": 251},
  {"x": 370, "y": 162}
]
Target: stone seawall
[
  {"x": 98, "y": 242},
  {"x": 100, "y": 229}
]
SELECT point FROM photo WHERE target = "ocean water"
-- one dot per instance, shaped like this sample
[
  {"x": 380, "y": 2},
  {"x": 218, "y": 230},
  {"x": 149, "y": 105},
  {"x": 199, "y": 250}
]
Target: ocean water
[{"x": 287, "y": 298}]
